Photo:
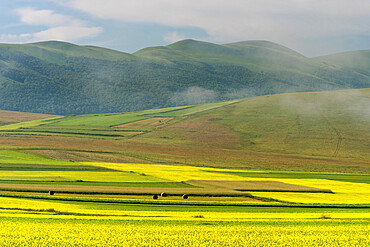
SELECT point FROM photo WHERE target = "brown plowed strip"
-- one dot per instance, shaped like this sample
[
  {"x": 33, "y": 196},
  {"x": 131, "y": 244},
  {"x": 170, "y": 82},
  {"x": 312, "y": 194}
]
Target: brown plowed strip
[
  {"x": 16, "y": 117},
  {"x": 255, "y": 186},
  {"x": 114, "y": 189},
  {"x": 145, "y": 123},
  {"x": 140, "y": 197}
]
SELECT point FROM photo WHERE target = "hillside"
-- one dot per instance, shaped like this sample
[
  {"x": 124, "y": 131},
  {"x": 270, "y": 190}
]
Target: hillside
[
  {"x": 61, "y": 78},
  {"x": 322, "y": 131},
  {"x": 357, "y": 60}
]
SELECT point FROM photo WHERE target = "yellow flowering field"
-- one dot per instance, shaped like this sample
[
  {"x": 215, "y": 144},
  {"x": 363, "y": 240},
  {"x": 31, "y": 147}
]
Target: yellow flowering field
[
  {"x": 170, "y": 172},
  {"x": 77, "y": 232},
  {"x": 344, "y": 192},
  {"x": 67, "y": 219}
]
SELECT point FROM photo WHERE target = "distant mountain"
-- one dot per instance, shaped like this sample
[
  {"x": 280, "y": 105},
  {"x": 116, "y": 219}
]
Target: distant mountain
[
  {"x": 61, "y": 78},
  {"x": 359, "y": 61}
]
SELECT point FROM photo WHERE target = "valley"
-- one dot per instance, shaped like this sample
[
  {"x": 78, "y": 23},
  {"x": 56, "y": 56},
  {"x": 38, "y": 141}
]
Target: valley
[{"x": 295, "y": 161}]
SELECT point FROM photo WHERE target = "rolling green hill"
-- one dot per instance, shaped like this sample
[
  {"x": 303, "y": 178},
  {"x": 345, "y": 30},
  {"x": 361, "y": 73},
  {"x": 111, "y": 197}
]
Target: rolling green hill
[
  {"x": 61, "y": 78},
  {"x": 357, "y": 60},
  {"x": 320, "y": 131}
]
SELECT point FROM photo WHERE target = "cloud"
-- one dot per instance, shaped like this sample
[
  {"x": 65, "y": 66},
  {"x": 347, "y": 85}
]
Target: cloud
[
  {"x": 15, "y": 38},
  {"x": 350, "y": 102},
  {"x": 173, "y": 37},
  {"x": 68, "y": 33},
  {"x": 58, "y": 27},
  {"x": 241, "y": 19},
  {"x": 46, "y": 17}
]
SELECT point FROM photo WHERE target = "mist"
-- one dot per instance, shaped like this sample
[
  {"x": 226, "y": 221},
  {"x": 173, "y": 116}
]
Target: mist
[
  {"x": 353, "y": 102},
  {"x": 241, "y": 93},
  {"x": 193, "y": 96}
]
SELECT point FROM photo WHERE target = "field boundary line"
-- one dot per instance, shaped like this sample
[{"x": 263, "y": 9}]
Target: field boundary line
[
  {"x": 173, "y": 203},
  {"x": 337, "y": 132}
]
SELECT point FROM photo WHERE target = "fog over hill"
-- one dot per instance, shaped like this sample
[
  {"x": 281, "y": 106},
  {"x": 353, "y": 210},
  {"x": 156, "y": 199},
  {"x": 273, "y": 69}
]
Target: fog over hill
[{"x": 62, "y": 78}]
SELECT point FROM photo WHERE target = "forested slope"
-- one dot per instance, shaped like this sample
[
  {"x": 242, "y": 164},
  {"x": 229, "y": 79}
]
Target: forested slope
[{"x": 61, "y": 78}]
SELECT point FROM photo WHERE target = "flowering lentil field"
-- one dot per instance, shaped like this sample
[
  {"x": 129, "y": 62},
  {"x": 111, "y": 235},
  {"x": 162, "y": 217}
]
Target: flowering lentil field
[
  {"x": 110, "y": 232},
  {"x": 111, "y": 204},
  {"x": 78, "y": 218}
]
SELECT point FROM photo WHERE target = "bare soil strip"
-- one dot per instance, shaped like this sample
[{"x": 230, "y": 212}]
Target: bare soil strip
[
  {"x": 16, "y": 117},
  {"x": 116, "y": 190},
  {"x": 210, "y": 188},
  {"x": 256, "y": 186},
  {"x": 151, "y": 122}
]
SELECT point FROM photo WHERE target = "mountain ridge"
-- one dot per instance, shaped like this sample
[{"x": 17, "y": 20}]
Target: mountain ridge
[{"x": 62, "y": 78}]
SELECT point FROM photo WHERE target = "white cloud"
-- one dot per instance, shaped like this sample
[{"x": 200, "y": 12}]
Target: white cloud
[
  {"x": 231, "y": 20},
  {"x": 173, "y": 37},
  {"x": 58, "y": 27},
  {"x": 46, "y": 17},
  {"x": 15, "y": 38},
  {"x": 68, "y": 33}
]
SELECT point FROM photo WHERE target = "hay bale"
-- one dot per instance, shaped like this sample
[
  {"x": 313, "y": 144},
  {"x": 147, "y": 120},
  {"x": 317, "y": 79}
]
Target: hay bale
[
  {"x": 163, "y": 194},
  {"x": 51, "y": 193},
  {"x": 185, "y": 196},
  {"x": 155, "y": 197}
]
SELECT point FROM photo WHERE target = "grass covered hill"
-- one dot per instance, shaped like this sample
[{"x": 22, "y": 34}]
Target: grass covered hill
[
  {"x": 319, "y": 131},
  {"x": 61, "y": 78}
]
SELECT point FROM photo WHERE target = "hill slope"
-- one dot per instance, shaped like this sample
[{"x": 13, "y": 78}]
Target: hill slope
[
  {"x": 326, "y": 131},
  {"x": 62, "y": 78},
  {"x": 357, "y": 60}
]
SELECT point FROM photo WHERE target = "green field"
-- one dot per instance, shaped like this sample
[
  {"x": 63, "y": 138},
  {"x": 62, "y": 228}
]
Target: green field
[{"x": 288, "y": 169}]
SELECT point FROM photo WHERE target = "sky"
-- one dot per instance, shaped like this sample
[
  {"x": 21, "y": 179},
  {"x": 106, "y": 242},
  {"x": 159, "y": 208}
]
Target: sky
[{"x": 311, "y": 27}]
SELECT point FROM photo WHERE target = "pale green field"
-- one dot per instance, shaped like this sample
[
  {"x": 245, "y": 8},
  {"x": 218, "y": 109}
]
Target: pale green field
[
  {"x": 29, "y": 124},
  {"x": 14, "y": 157}
]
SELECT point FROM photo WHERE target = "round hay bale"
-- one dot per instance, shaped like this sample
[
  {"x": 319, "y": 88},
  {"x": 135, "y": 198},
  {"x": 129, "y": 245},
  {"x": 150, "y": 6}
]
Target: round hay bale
[
  {"x": 51, "y": 193},
  {"x": 163, "y": 194},
  {"x": 155, "y": 197},
  {"x": 185, "y": 196}
]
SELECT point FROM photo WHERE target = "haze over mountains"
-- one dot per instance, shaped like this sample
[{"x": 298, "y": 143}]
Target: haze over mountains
[{"x": 61, "y": 78}]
